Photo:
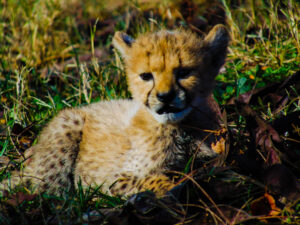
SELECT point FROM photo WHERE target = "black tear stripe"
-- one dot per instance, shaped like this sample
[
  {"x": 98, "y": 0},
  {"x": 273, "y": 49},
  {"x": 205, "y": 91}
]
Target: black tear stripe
[
  {"x": 148, "y": 94},
  {"x": 179, "y": 58}
]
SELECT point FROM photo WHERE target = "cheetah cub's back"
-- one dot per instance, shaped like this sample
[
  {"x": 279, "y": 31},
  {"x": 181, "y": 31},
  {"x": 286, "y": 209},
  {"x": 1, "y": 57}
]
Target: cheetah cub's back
[{"x": 129, "y": 146}]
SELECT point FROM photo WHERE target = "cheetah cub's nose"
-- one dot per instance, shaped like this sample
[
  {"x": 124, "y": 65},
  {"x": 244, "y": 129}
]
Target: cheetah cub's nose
[{"x": 166, "y": 97}]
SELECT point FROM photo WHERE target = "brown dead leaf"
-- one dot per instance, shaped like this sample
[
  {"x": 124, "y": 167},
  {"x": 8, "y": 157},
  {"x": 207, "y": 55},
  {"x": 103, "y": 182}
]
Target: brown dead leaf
[
  {"x": 3, "y": 99},
  {"x": 263, "y": 133},
  {"x": 280, "y": 180},
  {"x": 4, "y": 160},
  {"x": 265, "y": 206},
  {"x": 25, "y": 142},
  {"x": 19, "y": 198},
  {"x": 219, "y": 146},
  {"x": 2, "y": 121}
]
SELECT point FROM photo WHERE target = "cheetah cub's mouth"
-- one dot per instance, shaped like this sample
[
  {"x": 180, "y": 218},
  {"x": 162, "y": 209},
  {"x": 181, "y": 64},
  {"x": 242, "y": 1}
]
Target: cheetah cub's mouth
[
  {"x": 168, "y": 109},
  {"x": 171, "y": 72},
  {"x": 170, "y": 114}
]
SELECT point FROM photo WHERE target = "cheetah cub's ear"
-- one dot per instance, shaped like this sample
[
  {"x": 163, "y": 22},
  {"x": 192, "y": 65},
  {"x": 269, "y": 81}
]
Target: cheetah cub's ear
[
  {"x": 215, "y": 45},
  {"x": 122, "y": 42}
]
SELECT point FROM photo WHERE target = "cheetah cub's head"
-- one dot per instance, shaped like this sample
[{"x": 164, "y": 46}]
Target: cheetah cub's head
[{"x": 172, "y": 72}]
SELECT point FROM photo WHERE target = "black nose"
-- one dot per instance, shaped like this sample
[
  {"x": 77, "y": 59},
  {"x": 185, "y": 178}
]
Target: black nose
[{"x": 166, "y": 97}]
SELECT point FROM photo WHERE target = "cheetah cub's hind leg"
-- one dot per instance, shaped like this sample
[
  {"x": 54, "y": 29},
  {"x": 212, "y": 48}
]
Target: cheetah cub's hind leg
[
  {"x": 50, "y": 163},
  {"x": 128, "y": 185}
]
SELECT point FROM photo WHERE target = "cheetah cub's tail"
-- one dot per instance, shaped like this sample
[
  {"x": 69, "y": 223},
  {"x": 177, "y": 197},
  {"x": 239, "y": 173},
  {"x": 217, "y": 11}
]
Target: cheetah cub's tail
[{"x": 50, "y": 163}]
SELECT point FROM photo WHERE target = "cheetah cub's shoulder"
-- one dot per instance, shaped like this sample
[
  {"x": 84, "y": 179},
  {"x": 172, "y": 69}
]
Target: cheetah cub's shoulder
[{"x": 128, "y": 146}]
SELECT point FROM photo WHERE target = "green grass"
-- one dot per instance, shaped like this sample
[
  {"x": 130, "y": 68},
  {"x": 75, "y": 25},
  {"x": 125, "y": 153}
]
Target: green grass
[{"x": 56, "y": 54}]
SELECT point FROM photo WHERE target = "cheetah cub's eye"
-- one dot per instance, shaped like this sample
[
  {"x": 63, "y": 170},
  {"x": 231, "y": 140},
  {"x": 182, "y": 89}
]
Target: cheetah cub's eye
[
  {"x": 182, "y": 73},
  {"x": 146, "y": 76}
]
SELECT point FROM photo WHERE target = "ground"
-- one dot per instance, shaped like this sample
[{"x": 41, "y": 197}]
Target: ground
[{"x": 58, "y": 54}]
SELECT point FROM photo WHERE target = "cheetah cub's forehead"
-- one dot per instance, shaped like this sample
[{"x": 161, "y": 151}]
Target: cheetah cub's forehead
[
  {"x": 164, "y": 50},
  {"x": 159, "y": 51},
  {"x": 171, "y": 71}
]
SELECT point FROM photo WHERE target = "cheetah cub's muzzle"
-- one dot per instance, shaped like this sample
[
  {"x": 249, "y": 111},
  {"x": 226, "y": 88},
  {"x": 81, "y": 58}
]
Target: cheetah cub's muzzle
[
  {"x": 171, "y": 106},
  {"x": 172, "y": 72}
]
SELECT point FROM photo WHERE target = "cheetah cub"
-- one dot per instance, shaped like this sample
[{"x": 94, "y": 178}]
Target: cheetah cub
[{"x": 128, "y": 146}]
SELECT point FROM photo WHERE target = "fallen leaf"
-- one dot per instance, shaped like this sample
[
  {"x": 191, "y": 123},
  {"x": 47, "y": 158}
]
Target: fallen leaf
[
  {"x": 25, "y": 142},
  {"x": 219, "y": 146},
  {"x": 265, "y": 206},
  {"x": 3, "y": 99},
  {"x": 280, "y": 180},
  {"x": 19, "y": 198},
  {"x": 262, "y": 132}
]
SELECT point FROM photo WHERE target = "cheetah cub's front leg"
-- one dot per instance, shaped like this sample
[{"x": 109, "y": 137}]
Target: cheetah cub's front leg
[{"x": 128, "y": 185}]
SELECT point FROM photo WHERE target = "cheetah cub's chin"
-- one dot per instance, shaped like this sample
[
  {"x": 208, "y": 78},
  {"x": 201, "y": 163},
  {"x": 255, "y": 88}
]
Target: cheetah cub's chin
[{"x": 171, "y": 117}]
